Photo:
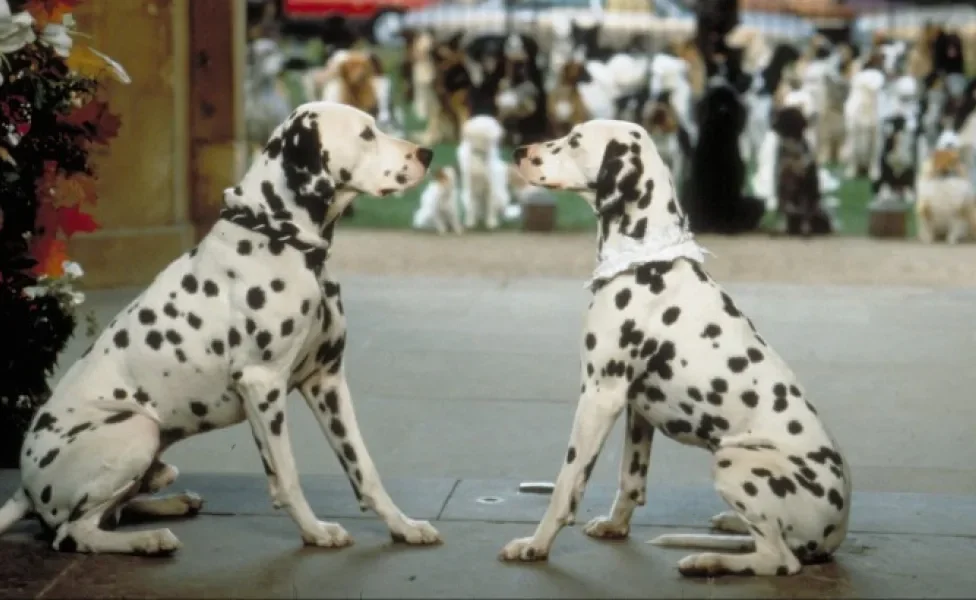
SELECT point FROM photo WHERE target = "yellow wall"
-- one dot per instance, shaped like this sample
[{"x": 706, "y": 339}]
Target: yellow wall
[{"x": 145, "y": 174}]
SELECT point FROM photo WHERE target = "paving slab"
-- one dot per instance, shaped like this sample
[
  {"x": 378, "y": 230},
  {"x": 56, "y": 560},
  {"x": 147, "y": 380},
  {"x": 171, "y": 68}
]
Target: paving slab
[
  {"x": 262, "y": 557},
  {"x": 477, "y": 378}
]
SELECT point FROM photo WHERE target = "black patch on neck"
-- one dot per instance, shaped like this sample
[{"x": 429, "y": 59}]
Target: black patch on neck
[{"x": 281, "y": 235}]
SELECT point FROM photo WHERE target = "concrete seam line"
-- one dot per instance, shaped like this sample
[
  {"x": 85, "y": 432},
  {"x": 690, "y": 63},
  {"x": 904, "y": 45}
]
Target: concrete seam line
[{"x": 57, "y": 578}]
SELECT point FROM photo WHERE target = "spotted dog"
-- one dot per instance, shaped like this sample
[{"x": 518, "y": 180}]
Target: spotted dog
[
  {"x": 221, "y": 336},
  {"x": 667, "y": 345}
]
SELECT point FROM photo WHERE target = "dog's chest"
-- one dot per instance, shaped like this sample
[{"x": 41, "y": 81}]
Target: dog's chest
[{"x": 688, "y": 360}]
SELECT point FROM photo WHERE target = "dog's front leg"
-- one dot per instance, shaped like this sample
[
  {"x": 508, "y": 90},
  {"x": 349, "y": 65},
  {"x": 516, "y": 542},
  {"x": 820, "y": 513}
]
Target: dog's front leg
[
  {"x": 328, "y": 396},
  {"x": 264, "y": 397},
  {"x": 597, "y": 411},
  {"x": 632, "y": 492}
]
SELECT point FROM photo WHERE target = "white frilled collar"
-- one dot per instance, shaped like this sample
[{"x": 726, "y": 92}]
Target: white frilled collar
[{"x": 623, "y": 253}]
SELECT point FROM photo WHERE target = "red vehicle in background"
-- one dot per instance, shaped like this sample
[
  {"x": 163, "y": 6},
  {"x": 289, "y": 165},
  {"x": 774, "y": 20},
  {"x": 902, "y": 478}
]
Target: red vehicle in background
[{"x": 379, "y": 20}]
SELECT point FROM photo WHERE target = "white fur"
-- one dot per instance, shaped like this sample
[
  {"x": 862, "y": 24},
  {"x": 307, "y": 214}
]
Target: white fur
[
  {"x": 484, "y": 177},
  {"x": 647, "y": 351},
  {"x": 946, "y": 208},
  {"x": 438, "y": 207},
  {"x": 862, "y": 116},
  {"x": 206, "y": 346},
  {"x": 670, "y": 74}
]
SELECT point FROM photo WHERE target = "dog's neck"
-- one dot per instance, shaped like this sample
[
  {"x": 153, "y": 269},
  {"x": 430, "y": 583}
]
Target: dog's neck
[
  {"x": 635, "y": 207},
  {"x": 290, "y": 205}
]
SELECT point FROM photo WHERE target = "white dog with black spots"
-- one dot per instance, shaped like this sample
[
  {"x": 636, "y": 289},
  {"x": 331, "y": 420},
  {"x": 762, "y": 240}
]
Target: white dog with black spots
[
  {"x": 222, "y": 335},
  {"x": 666, "y": 345}
]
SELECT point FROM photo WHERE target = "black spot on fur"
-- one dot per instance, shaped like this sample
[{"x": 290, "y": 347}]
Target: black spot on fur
[
  {"x": 49, "y": 457},
  {"x": 711, "y": 331},
  {"x": 233, "y": 337},
  {"x": 198, "y": 408},
  {"x": 780, "y": 404},
  {"x": 750, "y": 398},
  {"x": 670, "y": 315},
  {"x": 755, "y": 355},
  {"x": 255, "y": 298},
  {"x": 210, "y": 288},
  {"x": 590, "y": 341},
  {"x": 189, "y": 284},
  {"x": 834, "y": 497},
  {"x": 147, "y": 316},
  {"x": 119, "y": 417},
  {"x": 368, "y": 134},
  {"x": 194, "y": 321},
  {"x": 750, "y": 488},
  {"x": 794, "y": 427},
  {"x": 173, "y": 337},
  {"x": 277, "y": 422},
  {"x": 570, "y": 455},
  {"x": 244, "y": 247},
  {"x": 45, "y": 422},
  {"x": 154, "y": 339},
  {"x": 277, "y": 285},
  {"x": 738, "y": 364},
  {"x": 121, "y": 339},
  {"x": 622, "y": 298}
]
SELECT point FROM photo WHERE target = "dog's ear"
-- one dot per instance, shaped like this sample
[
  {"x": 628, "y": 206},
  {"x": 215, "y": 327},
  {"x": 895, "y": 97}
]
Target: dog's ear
[{"x": 617, "y": 179}]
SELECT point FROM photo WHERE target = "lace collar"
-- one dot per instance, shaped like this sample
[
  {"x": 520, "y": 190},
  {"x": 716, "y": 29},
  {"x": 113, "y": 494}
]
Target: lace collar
[{"x": 623, "y": 253}]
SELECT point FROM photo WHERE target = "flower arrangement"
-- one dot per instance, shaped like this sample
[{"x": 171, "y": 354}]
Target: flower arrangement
[{"x": 50, "y": 120}]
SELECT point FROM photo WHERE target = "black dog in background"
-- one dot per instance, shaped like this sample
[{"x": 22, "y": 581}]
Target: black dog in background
[
  {"x": 797, "y": 177},
  {"x": 713, "y": 198}
]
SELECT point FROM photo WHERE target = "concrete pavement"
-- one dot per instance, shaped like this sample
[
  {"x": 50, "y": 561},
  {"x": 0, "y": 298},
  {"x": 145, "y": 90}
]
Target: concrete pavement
[{"x": 464, "y": 387}]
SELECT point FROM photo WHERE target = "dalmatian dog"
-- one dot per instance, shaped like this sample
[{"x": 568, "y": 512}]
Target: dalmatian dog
[
  {"x": 667, "y": 346},
  {"x": 222, "y": 335}
]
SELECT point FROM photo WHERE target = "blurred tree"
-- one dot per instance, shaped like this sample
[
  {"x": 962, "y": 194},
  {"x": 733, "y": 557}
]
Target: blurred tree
[{"x": 49, "y": 121}]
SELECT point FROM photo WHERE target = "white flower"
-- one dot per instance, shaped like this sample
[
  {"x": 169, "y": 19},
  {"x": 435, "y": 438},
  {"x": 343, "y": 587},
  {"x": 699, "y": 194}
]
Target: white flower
[
  {"x": 33, "y": 291},
  {"x": 77, "y": 298},
  {"x": 16, "y": 31},
  {"x": 72, "y": 269},
  {"x": 57, "y": 37}
]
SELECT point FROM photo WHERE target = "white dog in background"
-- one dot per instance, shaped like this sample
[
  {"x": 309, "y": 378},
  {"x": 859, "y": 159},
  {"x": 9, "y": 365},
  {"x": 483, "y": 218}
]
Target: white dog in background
[
  {"x": 484, "y": 173},
  {"x": 946, "y": 206},
  {"x": 439, "y": 203},
  {"x": 862, "y": 116}
]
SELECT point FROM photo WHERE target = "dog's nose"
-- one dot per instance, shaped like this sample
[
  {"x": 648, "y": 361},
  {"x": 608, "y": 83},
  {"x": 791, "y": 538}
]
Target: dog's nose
[
  {"x": 520, "y": 153},
  {"x": 425, "y": 156}
]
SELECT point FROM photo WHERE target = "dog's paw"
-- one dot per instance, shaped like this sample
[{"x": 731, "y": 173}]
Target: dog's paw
[
  {"x": 416, "y": 533},
  {"x": 523, "y": 550},
  {"x": 728, "y": 521},
  {"x": 194, "y": 503},
  {"x": 604, "y": 528},
  {"x": 706, "y": 564},
  {"x": 327, "y": 535},
  {"x": 160, "y": 542}
]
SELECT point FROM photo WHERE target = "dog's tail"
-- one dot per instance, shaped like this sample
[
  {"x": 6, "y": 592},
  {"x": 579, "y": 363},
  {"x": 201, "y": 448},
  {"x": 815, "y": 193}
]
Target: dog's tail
[
  {"x": 707, "y": 541},
  {"x": 14, "y": 510}
]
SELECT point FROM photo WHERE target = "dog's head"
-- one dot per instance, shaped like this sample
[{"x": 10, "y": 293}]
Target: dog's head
[
  {"x": 323, "y": 155},
  {"x": 789, "y": 122},
  {"x": 660, "y": 117},
  {"x": 359, "y": 67},
  {"x": 720, "y": 110},
  {"x": 615, "y": 166},
  {"x": 946, "y": 162}
]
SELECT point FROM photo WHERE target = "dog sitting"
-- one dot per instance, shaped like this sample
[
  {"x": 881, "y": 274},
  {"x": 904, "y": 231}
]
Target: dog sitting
[
  {"x": 418, "y": 74},
  {"x": 666, "y": 345},
  {"x": 439, "y": 203},
  {"x": 357, "y": 78},
  {"x": 797, "y": 176},
  {"x": 520, "y": 94},
  {"x": 946, "y": 207},
  {"x": 896, "y": 172},
  {"x": 221, "y": 336},
  {"x": 452, "y": 88},
  {"x": 576, "y": 97},
  {"x": 484, "y": 178},
  {"x": 714, "y": 198}
]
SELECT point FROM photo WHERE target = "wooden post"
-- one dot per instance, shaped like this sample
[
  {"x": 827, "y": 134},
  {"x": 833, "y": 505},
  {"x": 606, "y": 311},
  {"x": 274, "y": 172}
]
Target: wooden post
[{"x": 217, "y": 34}]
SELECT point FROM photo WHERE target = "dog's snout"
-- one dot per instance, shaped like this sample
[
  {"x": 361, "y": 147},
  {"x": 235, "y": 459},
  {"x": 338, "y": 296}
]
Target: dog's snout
[
  {"x": 425, "y": 156},
  {"x": 520, "y": 153}
]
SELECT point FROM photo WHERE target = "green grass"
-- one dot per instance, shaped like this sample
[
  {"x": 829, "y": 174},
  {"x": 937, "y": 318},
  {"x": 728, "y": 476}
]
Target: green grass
[{"x": 572, "y": 212}]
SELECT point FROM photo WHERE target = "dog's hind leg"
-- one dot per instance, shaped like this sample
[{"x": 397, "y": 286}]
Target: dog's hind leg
[
  {"x": 749, "y": 484},
  {"x": 638, "y": 436},
  {"x": 105, "y": 476},
  {"x": 179, "y": 504},
  {"x": 595, "y": 416},
  {"x": 331, "y": 402}
]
